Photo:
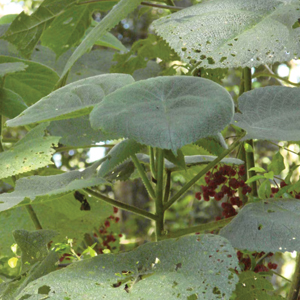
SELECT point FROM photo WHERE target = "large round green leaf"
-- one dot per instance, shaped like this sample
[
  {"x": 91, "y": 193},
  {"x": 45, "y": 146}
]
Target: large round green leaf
[
  {"x": 234, "y": 33},
  {"x": 165, "y": 112},
  {"x": 270, "y": 113}
]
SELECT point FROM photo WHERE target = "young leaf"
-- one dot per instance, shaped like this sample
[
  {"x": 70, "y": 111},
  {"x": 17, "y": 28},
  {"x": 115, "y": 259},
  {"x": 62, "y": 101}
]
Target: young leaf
[
  {"x": 255, "y": 178},
  {"x": 208, "y": 33},
  {"x": 271, "y": 225},
  {"x": 34, "y": 151},
  {"x": 277, "y": 164},
  {"x": 173, "y": 267},
  {"x": 264, "y": 190},
  {"x": 270, "y": 113},
  {"x": 178, "y": 160},
  {"x": 258, "y": 169},
  {"x": 165, "y": 112},
  {"x": 118, "y": 154},
  {"x": 79, "y": 99}
]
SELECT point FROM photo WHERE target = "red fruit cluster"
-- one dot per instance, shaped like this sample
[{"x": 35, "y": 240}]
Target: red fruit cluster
[{"x": 222, "y": 182}]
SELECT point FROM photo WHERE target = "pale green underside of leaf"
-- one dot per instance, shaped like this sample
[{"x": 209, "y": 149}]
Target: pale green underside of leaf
[
  {"x": 253, "y": 285},
  {"x": 231, "y": 34},
  {"x": 9, "y": 68},
  {"x": 172, "y": 269},
  {"x": 270, "y": 113},
  {"x": 32, "y": 84},
  {"x": 165, "y": 112},
  {"x": 34, "y": 151},
  {"x": 11, "y": 104},
  {"x": 119, "y": 12},
  {"x": 272, "y": 225},
  {"x": 73, "y": 100},
  {"x": 48, "y": 186},
  {"x": 118, "y": 154}
]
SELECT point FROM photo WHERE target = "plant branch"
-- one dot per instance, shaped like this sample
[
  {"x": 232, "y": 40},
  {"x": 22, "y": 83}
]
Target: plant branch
[
  {"x": 121, "y": 205},
  {"x": 61, "y": 149},
  {"x": 295, "y": 285},
  {"x": 168, "y": 187},
  {"x": 33, "y": 217},
  {"x": 152, "y": 162},
  {"x": 159, "y": 224},
  {"x": 187, "y": 186},
  {"x": 1, "y": 126},
  {"x": 287, "y": 149},
  {"x": 199, "y": 228},
  {"x": 143, "y": 176}
]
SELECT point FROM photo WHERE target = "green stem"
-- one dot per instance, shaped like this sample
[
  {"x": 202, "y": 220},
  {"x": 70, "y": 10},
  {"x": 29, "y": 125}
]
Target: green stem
[
  {"x": 171, "y": 7},
  {"x": 143, "y": 176},
  {"x": 61, "y": 149},
  {"x": 295, "y": 285},
  {"x": 10, "y": 140},
  {"x": 168, "y": 187},
  {"x": 199, "y": 228},
  {"x": 152, "y": 162},
  {"x": 262, "y": 74},
  {"x": 1, "y": 126},
  {"x": 250, "y": 163},
  {"x": 189, "y": 184},
  {"x": 159, "y": 207},
  {"x": 121, "y": 205},
  {"x": 33, "y": 217}
]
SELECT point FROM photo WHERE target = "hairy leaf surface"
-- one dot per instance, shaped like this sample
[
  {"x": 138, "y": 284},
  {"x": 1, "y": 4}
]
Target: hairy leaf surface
[
  {"x": 231, "y": 34},
  {"x": 73, "y": 100},
  {"x": 165, "y": 112},
  {"x": 270, "y": 113},
  {"x": 271, "y": 225},
  {"x": 171, "y": 268}
]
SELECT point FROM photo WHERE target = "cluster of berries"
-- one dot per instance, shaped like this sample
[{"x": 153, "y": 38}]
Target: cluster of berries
[
  {"x": 225, "y": 176},
  {"x": 245, "y": 262}
]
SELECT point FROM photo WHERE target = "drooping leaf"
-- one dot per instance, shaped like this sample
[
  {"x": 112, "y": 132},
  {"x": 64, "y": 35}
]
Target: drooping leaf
[
  {"x": 119, "y": 12},
  {"x": 213, "y": 144},
  {"x": 9, "y": 68},
  {"x": 47, "y": 186},
  {"x": 70, "y": 26},
  {"x": 77, "y": 132},
  {"x": 25, "y": 31},
  {"x": 231, "y": 34},
  {"x": 277, "y": 164},
  {"x": 79, "y": 99},
  {"x": 272, "y": 225},
  {"x": 165, "y": 112},
  {"x": 254, "y": 286},
  {"x": 34, "y": 151},
  {"x": 118, "y": 154},
  {"x": 172, "y": 266},
  {"x": 32, "y": 84},
  {"x": 11, "y": 104},
  {"x": 270, "y": 113}
]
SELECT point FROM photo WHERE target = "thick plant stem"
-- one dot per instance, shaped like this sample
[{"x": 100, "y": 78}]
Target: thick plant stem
[
  {"x": 168, "y": 187},
  {"x": 295, "y": 285},
  {"x": 1, "y": 126},
  {"x": 144, "y": 177},
  {"x": 152, "y": 162},
  {"x": 33, "y": 217},
  {"x": 122, "y": 205},
  {"x": 159, "y": 207},
  {"x": 250, "y": 155},
  {"x": 189, "y": 184}
]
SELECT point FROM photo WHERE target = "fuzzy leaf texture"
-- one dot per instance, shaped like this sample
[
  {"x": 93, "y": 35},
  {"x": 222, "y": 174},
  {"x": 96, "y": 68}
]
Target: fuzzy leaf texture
[
  {"x": 79, "y": 99},
  {"x": 171, "y": 268},
  {"x": 272, "y": 225},
  {"x": 232, "y": 34},
  {"x": 34, "y": 151},
  {"x": 165, "y": 112},
  {"x": 270, "y": 113}
]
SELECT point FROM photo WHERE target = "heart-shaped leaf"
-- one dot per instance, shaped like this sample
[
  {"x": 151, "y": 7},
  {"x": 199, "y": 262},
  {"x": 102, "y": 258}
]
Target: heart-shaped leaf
[
  {"x": 78, "y": 99},
  {"x": 231, "y": 34},
  {"x": 192, "y": 267},
  {"x": 165, "y": 112},
  {"x": 271, "y": 225},
  {"x": 270, "y": 113}
]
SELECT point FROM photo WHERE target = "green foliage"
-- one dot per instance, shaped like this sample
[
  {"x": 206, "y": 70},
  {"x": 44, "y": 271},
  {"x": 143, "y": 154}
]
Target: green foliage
[
  {"x": 169, "y": 266},
  {"x": 277, "y": 164},
  {"x": 208, "y": 34},
  {"x": 213, "y": 144},
  {"x": 8, "y": 68},
  {"x": 165, "y": 112}
]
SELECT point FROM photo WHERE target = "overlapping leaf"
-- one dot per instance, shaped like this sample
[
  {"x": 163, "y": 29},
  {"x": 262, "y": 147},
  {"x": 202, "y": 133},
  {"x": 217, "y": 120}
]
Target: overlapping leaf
[
  {"x": 165, "y": 112},
  {"x": 34, "y": 151},
  {"x": 170, "y": 269},
  {"x": 73, "y": 100},
  {"x": 32, "y": 84},
  {"x": 11, "y": 104},
  {"x": 270, "y": 113},
  {"x": 272, "y": 225},
  {"x": 9, "y": 68},
  {"x": 226, "y": 33}
]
